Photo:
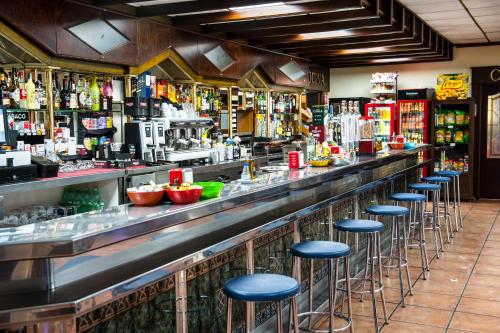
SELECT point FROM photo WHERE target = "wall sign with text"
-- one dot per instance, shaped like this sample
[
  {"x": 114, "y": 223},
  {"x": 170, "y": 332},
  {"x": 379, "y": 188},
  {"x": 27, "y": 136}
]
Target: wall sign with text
[{"x": 452, "y": 86}]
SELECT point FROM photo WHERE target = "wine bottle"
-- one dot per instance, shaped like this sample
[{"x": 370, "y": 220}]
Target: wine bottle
[
  {"x": 41, "y": 94},
  {"x": 73, "y": 99},
  {"x": 4, "y": 89},
  {"x": 22, "y": 90},
  {"x": 31, "y": 101},
  {"x": 56, "y": 92},
  {"x": 65, "y": 95},
  {"x": 81, "y": 93},
  {"x": 14, "y": 93},
  {"x": 95, "y": 92}
]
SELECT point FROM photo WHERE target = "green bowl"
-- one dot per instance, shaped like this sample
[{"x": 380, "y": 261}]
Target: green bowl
[{"x": 210, "y": 189}]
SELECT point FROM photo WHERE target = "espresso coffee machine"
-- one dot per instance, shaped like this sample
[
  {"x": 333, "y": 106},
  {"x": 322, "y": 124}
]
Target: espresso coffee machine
[
  {"x": 185, "y": 141},
  {"x": 141, "y": 135}
]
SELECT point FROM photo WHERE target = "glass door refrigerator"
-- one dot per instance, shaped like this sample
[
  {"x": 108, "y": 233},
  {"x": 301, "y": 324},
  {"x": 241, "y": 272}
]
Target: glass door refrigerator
[
  {"x": 413, "y": 109},
  {"x": 384, "y": 117}
]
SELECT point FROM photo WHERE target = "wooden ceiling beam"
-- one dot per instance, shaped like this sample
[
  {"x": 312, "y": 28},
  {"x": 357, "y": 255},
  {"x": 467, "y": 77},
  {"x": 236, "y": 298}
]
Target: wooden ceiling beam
[
  {"x": 332, "y": 48},
  {"x": 371, "y": 63},
  {"x": 338, "y": 6},
  {"x": 196, "y": 6},
  {"x": 297, "y": 20},
  {"x": 311, "y": 28}
]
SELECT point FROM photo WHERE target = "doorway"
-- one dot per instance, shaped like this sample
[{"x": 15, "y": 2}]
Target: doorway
[
  {"x": 486, "y": 89},
  {"x": 489, "y": 164}
]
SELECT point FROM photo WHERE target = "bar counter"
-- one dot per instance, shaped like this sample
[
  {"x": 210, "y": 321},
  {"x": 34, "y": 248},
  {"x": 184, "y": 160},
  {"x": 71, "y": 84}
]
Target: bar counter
[{"x": 161, "y": 269}]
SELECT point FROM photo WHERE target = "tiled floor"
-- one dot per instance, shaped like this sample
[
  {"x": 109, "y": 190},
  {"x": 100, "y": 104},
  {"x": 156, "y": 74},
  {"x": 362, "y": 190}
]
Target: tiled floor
[{"x": 462, "y": 292}]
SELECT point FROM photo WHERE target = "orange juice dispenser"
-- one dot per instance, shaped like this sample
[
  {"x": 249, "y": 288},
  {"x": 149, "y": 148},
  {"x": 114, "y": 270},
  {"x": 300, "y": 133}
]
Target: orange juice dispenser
[
  {"x": 384, "y": 119},
  {"x": 367, "y": 144}
]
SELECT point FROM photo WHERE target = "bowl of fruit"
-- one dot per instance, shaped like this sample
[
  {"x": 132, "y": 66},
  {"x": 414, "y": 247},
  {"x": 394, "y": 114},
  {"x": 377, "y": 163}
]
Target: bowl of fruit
[
  {"x": 146, "y": 195},
  {"x": 184, "y": 193},
  {"x": 319, "y": 161}
]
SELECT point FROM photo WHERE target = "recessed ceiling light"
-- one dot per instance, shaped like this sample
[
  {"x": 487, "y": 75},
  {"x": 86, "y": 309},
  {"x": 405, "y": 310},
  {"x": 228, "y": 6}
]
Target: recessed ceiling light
[
  {"x": 364, "y": 50},
  {"x": 326, "y": 34},
  {"x": 200, "y": 12},
  {"x": 240, "y": 8},
  {"x": 391, "y": 60}
]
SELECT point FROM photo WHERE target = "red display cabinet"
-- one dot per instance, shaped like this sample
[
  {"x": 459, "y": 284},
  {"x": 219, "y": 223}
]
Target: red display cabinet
[{"x": 384, "y": 117}]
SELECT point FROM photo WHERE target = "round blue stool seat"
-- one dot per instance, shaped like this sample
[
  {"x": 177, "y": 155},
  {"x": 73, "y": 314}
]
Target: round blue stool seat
[
  {"x": 261, "y": 288},
  {"x": 437, "y": 179},
  {"x": 320, "y": 250},
  {"x": 424, "y": 187},
  {"x": 359, "y": 226},
  {"x": 408, "y": 197},
  {"x": 387, "y": 210},
  {"x": 448, "y": 173}
]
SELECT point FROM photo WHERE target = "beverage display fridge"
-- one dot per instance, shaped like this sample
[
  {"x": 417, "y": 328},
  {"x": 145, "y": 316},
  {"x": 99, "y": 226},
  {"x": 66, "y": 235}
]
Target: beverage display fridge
[
  {"x": 452, "y": 133},
  {"x": 384, "y": 117},
  {"x": 413, "y": 110}
]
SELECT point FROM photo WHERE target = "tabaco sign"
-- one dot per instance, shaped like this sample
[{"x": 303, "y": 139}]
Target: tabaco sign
[{"x": 318, "y": 80}]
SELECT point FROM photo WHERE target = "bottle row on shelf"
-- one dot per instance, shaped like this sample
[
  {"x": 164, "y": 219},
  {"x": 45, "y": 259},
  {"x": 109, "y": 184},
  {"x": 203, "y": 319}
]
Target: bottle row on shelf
[{"x": 26, "y": 90}]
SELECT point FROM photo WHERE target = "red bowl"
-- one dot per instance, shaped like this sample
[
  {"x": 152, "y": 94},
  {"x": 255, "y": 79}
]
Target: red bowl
[
  {"x": 184, "y": 196},
  {"x": 146, "y": 198},
  {"x": 396, "y": 145}
]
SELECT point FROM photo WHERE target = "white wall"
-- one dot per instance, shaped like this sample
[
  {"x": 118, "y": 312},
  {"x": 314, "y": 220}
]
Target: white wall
[{"x": 355, "y": 81}]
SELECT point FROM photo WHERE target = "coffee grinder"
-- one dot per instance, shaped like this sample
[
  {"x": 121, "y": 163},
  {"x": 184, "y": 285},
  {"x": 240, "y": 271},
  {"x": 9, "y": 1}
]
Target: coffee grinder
[
  {"x": 140, "y": 134},
  {"x": 159, "y": 140}
]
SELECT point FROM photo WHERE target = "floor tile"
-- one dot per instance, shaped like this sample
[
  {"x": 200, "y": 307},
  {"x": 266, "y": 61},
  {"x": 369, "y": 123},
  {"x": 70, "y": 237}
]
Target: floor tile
[
  {"x": 475, "y": 323},
  {"x": 436, "y": 301},
  {"x": 399, "y": 327},
  {"x": 421, "y": 315},
  {"x": 489, "y": 293},
  {"x": 479, "y": 306}
]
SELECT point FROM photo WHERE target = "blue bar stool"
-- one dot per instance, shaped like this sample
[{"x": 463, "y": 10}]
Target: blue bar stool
[
  {"x": 372, "y": 229},
  {"x": 262, "y": 288},
  {"x": 455, "y": 176},
  {"x": 419, "y": 201},
  {"x": 396, "y": 212},
  {"x": 444, "y": 181},
  {"x": 427, "y": 188},
  {"x": 331, "y": 251}
]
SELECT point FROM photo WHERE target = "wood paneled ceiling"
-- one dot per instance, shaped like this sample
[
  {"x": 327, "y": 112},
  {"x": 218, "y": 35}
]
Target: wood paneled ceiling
[{"x": 334, "y": 33}]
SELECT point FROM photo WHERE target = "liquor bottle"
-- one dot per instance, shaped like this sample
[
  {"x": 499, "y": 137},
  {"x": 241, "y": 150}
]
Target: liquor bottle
[
  {"x": 107, "y": 96},
  {"x": 4, "y": 89},
  {"x": 56, "y": 92},
  {"x": 95, "y": 93},
  {"x": 14, "y": 93},
  {"x": 31, "y": 101},
  {"x": 22, "y": 90},
  {"x": 73, "y": 98},
  {"x": 65, "y": 95},
  {"x": 41, "y": 94},
  {"x": 88, "y": 96},
  {"x": 80, "y": 93}
]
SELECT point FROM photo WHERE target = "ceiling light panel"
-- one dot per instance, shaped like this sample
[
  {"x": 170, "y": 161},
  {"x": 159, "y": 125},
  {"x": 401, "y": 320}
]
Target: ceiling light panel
[
  {"x": 325, "y": 34},
  {"x": 156, "y": 2},
  {"x": 260, "y": 6},
  {"x": 99, "y": 35},
  {"x": 220, "y": 58},
  {"x": 293, "y": 71}
]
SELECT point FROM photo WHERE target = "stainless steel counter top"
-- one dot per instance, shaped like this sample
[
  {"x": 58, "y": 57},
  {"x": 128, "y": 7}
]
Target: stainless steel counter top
[
  {"x": 94, "y": 175},
  {"x": 80, "y": 233}
]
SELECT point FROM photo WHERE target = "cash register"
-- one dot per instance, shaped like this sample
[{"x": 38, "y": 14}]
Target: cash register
[{"x": 14, "y": 165}]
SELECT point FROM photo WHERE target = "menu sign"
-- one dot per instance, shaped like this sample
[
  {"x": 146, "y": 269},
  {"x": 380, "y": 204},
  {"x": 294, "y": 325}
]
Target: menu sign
[
  {"x": 318, "y": 113},
  {"x": 452, "y": 86}
]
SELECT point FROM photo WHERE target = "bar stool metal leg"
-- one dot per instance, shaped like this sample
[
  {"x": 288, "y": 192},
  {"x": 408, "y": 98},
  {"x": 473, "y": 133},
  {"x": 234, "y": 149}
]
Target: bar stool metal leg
[
  {"x": 379, "y": 255},
  {"x": 347, "y": 273},
  {"x": 279, "y": 318},
  {"x": 405, "y": 248},
  {"x": 371, "y": 247},
  {"x": 229, "y": 317},
  {"x": 458, "y": 195},
  {"x": 455, "y": 204}
]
